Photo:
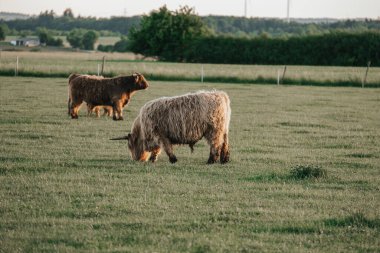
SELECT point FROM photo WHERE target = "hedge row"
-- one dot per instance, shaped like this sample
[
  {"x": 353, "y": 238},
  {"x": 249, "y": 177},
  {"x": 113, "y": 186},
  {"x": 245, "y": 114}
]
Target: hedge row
[{"x": 335, "y": 49}]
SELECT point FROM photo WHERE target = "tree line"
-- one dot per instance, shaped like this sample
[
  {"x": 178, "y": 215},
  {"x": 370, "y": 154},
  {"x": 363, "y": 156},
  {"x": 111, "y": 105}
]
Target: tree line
[
  {"x": 221, "y": 25},
  {"x": 67, "y": 22},
  {"x": 183, "y": 36}
]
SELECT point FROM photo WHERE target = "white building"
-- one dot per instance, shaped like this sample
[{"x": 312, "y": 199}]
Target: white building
[{"x": 26, "y": 42}]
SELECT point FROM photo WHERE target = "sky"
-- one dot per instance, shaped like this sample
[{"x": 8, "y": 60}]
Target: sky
[{"x": 255, "y": 8}]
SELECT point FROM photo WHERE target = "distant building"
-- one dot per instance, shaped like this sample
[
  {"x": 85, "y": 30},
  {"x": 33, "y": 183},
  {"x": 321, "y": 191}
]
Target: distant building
[{"x": 26, "y": 42}]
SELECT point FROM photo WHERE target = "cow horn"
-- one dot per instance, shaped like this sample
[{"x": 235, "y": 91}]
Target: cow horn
[{"x": 121, "y": 138}]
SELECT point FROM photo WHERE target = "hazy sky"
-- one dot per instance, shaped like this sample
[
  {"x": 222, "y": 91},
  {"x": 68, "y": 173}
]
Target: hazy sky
[{"x": 256, "y": 8}]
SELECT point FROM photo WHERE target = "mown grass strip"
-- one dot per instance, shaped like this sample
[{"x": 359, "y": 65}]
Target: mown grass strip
[{"x": 209, "y": 79}]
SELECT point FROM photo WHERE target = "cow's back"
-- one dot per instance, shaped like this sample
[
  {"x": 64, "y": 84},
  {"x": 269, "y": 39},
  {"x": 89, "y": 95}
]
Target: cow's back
[
  {"x": 183, "y": 119},
  {"x": 92, "y": 89}
]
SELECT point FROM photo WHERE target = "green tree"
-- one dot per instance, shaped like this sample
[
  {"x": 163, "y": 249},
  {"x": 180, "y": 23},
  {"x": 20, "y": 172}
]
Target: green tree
[
  {"x": 47, "y": 38},
  {"x": 122, "y": 45},
  {"x": 2, "y": 33},
  {"x": 105, "y": 48},
  {"x": 75, "y": 38},
  {"x": 4, "y": 30},
  {"x": 167, "y": 34},
  {"x": 89, "y": 39},
  {"x": 83, "y": 39},
  {"x": 68, "y": 13}
]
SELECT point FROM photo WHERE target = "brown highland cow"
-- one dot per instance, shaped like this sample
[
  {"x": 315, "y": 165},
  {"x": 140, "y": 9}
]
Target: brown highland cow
[
  {"x": 181, "y": 120},
  {"x": 94, "y": 90}
]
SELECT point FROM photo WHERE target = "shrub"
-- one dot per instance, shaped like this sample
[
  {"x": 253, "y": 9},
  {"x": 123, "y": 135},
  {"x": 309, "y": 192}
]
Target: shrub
[
  {"x": 307, "y": 171},
  {"x": 82, "y": 39},
  {"x": 105, "y": 48},
  {"x": 47, "y": 38}
]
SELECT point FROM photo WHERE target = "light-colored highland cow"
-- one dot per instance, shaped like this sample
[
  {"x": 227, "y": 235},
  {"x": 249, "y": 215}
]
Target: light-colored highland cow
[
  {"x": 94, "y": 90},
  {"x": 181, "y": 120}
]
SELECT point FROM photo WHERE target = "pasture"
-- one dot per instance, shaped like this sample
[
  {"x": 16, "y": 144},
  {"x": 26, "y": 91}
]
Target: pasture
[
  {"x": 64, "y": 186},
  {"x": 61, "y": 64}
]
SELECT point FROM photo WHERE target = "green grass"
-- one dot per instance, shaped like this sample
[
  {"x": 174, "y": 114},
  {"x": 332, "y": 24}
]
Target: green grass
[
  {"x": 60, "y": 64},
  {"x": 65, "y": 187}
]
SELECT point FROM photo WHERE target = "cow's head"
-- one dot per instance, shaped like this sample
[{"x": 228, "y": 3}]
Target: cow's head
[
  {"x": 136, "y": 147},
  {"x": 140, "y": 81},
  {"x": 136, "y": 143}
]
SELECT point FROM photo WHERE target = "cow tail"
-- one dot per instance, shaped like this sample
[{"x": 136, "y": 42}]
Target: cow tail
[
  {"x": 68, "y": 97},
  {"x": 225, "y": 152},
  {"x": 68, "y": 106},
  {"x": 71, "y": 77}
]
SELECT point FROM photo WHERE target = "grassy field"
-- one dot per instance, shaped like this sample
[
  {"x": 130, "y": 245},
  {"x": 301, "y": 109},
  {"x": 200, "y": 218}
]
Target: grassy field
[
  {"x": 63, "y": 63},
  {"x": 65, "y": 187}
]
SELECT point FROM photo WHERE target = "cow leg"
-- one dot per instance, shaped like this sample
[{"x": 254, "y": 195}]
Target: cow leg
[
  {"x": 106, "y": 111},
  {"x": 168, "y": 147},
  {"x": 214, "y": 154},
  {"x": 156, "y": 151},
  {"x": 216, "y": 143},
  {"x": 74, "y": 109},
  {"x": 109, "y": 111},
  {"x": 225, "y": 152},
  {"x": 117, "y": 108},
  {"x": 97, "y": 111},
  {"x": 89, "y": 109}
]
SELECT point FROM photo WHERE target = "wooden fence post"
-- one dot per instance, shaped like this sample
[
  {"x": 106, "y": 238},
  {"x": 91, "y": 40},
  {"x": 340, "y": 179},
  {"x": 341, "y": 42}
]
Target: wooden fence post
[
  {"x": 278, "y": 77},
  {"x": 366, "y": 73},
  {"x": 103, "y": 63},
  {"x": 202, "y": 74},
  {"x": 16, "y": 70},
  {"x": 283, "y": 75}
]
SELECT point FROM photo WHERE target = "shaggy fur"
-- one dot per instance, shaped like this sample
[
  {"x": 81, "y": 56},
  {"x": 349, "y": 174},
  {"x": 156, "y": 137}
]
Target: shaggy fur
[
  {"x": 94, "y": 90},
  {"x": 182, "y": 120}
]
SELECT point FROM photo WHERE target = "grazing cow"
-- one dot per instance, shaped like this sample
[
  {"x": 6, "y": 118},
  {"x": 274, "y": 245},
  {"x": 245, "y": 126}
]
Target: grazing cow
[
  {"x": 181, "y": 120},
  {"x": 95, "y": 91}
]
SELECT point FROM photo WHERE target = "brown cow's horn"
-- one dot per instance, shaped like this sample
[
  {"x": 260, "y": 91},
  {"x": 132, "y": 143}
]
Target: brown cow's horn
[{"x": 120, "y": 138}]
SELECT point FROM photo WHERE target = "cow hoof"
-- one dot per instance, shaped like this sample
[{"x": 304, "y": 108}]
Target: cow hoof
[
  {"x": 121, "y": 118},
  {"x": 226, "y": 160},
  {"x": 173, "y": 159},
  {"x": 211, "y": 161},
  {"x": 74, "y": 117}
]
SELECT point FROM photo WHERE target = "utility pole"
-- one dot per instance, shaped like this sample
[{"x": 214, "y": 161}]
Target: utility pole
[
  {"x": 287, "y": 12},
  {"x": 245, "y": 8}
]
